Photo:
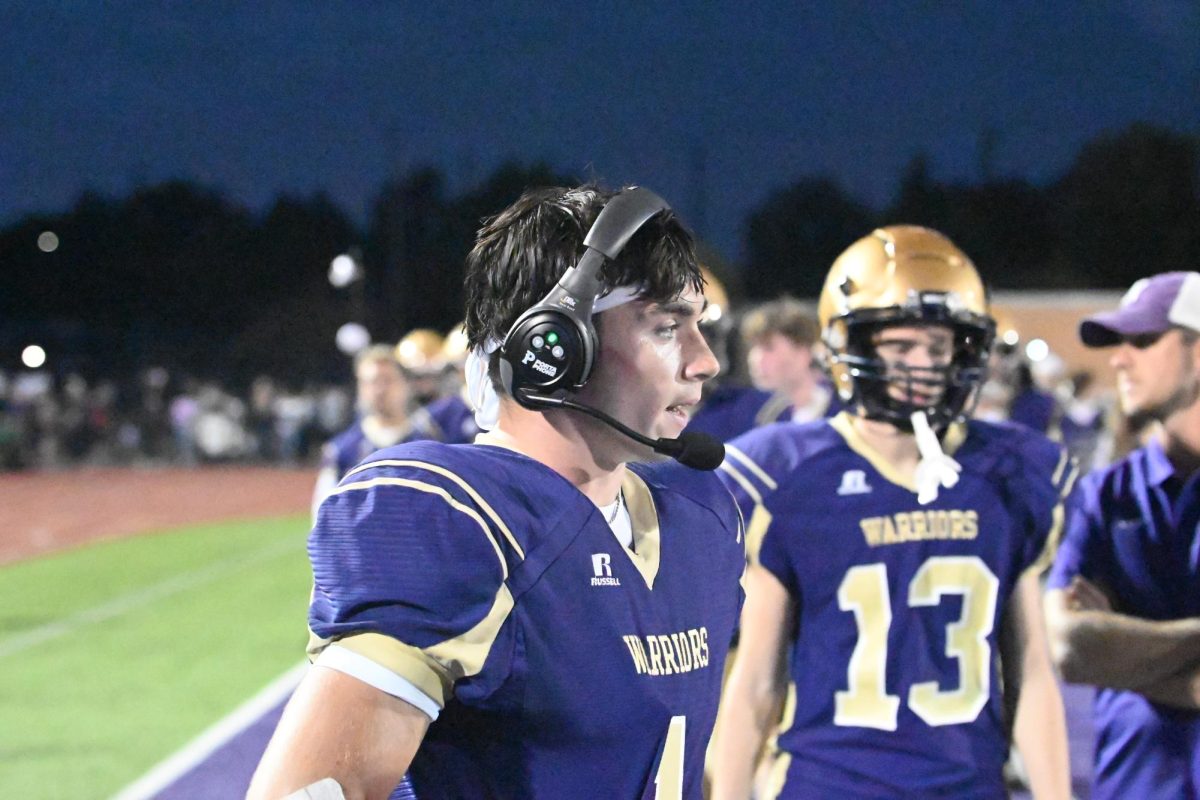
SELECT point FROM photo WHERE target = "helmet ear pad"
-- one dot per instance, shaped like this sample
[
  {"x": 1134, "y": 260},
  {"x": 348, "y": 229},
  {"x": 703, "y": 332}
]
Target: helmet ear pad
[{"x": 547, "y": 350}]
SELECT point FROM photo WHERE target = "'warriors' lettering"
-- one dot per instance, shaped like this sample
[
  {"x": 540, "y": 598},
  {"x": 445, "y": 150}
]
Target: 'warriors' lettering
[
  {"x": 668, "y": 654},
  {"x": 920, "y": 526}
]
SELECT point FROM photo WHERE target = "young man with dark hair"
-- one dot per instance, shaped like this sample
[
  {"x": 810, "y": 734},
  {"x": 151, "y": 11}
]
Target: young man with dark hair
[
  {"x": 530, "y": 615},
  {"x": 895, "y": 556},
  {"x": 1124, "y": 604}
]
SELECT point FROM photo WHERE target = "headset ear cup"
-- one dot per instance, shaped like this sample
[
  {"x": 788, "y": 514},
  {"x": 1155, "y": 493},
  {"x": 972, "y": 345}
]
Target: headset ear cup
[
  {"x": 552, "y": 347},
  {"x": 547, "y": 350}
]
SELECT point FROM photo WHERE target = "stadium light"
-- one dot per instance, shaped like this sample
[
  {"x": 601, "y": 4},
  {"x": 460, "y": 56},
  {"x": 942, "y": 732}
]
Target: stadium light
[
  {"x": 344, "y": 270},
  {"x": 33, "y": 356},
  {"x": 352, "y": 337},
  {"x": 1037, "y": 350}
]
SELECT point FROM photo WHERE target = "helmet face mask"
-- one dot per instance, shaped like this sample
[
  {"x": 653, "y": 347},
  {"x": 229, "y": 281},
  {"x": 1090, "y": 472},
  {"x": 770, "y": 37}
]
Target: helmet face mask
[{"x": 905, "y": 276}]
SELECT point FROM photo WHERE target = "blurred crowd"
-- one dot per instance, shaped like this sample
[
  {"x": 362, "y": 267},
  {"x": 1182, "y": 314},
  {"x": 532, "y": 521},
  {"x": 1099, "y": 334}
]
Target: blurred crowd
[
  {"x": 156, "y": 418},
  {"x": 771, "y": 371}
]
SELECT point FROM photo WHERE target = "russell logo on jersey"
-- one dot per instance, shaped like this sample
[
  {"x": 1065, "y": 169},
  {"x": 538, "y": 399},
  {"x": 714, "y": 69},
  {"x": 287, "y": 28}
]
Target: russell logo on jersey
[
  {"x": 854, "y": 481},
  {"x": 602, "y": 570}
]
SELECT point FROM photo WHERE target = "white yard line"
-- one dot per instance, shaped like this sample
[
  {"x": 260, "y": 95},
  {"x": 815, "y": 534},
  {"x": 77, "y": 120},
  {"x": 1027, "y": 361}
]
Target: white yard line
[
  {"x": 180, "y": 763},
  {"x": 133, "y": 601}
]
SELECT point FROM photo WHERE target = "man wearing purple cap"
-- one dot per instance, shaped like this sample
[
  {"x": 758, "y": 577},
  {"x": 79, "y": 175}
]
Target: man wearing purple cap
[{"x": 1124, "y": 601}]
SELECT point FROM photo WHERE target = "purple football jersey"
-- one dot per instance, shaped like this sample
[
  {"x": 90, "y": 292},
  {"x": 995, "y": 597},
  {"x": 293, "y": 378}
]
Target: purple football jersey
[
  {"x": 895, "y": 685},
  {"x": 565, "y": 664}
]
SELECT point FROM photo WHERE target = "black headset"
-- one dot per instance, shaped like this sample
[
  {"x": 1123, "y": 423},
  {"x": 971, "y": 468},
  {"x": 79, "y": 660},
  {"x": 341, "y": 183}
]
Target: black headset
[{"x": 551, "y": 348}]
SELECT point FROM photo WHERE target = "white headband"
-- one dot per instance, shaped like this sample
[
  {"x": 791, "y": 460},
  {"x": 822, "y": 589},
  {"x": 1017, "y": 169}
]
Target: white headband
[{"x": 480, "y": 391}]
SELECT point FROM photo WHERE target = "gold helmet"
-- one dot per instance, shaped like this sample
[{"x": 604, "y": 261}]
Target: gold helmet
[
  {"x": 908, "y": 275},
  {"x": 420, "y": 352},
  {"x": 455, "y": 346}
]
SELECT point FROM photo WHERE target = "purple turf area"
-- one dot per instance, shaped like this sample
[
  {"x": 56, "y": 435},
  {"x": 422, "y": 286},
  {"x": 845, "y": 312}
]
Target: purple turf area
[{"x": 226, "y": 772}]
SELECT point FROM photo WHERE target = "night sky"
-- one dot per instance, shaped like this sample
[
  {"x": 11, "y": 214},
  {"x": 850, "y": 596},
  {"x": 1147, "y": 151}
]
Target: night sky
[{"x": 712, "y": 107}]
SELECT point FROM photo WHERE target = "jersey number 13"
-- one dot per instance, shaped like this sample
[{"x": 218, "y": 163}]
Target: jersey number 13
[{"x": 864, "y": 591}]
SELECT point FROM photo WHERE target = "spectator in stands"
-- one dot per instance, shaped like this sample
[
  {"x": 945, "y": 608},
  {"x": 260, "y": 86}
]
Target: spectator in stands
[{"x": 1084, "y": 424}]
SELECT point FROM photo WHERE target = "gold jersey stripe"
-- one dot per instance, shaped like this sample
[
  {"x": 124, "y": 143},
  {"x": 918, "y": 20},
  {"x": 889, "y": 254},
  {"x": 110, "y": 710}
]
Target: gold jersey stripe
[
  {"x": 770, "y": 411},
  {"x": 445, "y": 473},
  {"x": 953, "y": 438},
  {"x": 1063, "y": 460},
  {"x": 1058, "y": 520},
  {"x": 440, "y": 492},
  {"x": 742, "y": 480},
  {"x": 434, "y": 669},
  {"x": 647, "y": 533},
  {"x": 756, "y": 529},
  {"x": 756, "y": 470},
  {"x": 760, "y": 518},
  {"x": 464, "y": 655}
]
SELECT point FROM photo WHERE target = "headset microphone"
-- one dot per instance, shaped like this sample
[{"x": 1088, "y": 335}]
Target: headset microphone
[{"x": 692, "y": 448}]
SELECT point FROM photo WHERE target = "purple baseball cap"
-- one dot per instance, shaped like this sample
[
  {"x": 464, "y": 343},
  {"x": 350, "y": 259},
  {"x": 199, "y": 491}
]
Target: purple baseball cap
[{"x": 1152, "y": 305}]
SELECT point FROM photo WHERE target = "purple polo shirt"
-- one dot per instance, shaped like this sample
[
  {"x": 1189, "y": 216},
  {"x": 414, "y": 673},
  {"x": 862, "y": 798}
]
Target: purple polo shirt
[{"x": 1136, "y": 530}]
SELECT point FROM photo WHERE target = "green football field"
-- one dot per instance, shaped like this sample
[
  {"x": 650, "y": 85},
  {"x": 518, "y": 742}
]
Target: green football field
[{"x": 115, "y": 655}]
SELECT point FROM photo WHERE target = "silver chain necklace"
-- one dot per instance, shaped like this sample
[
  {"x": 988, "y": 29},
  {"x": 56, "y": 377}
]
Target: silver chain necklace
[{"x": 616, "y": 507}]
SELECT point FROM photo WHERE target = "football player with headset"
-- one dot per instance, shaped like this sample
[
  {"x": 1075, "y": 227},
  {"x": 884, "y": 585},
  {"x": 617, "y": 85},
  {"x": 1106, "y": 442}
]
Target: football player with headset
[
  {"x": 534, "y": 615},
  {"x": 895, "y": 552}
]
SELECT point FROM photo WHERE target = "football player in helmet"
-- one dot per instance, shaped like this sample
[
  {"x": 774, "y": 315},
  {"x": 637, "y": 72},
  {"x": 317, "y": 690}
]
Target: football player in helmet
[
  {"x": 452, "y": 411},
  {"x": 420, "y": 354},
  {"x": 894, "y": 553}
]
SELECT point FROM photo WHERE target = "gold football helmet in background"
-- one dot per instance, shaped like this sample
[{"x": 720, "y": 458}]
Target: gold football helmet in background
[
  {"x": 420, "y": 351},
  {"x": 908, "y": 275}
]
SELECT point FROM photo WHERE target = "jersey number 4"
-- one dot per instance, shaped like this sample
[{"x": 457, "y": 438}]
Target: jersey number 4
[{"x": 864, "y": 591}]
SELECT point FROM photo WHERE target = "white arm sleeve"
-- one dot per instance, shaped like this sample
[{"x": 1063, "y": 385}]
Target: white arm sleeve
[{"x": 370, "y": 673}]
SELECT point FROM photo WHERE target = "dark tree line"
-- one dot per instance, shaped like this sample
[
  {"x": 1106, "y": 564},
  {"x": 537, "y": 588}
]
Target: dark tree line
[
  {"x": 1128, "y": 206},
  {"x": 176, "y": 275}
]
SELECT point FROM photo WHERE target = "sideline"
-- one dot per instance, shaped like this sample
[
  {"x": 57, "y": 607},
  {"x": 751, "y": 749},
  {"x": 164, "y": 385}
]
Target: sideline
[
  {"x": 133, "y": 601},
  {"x": 177, "y": 765}
]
